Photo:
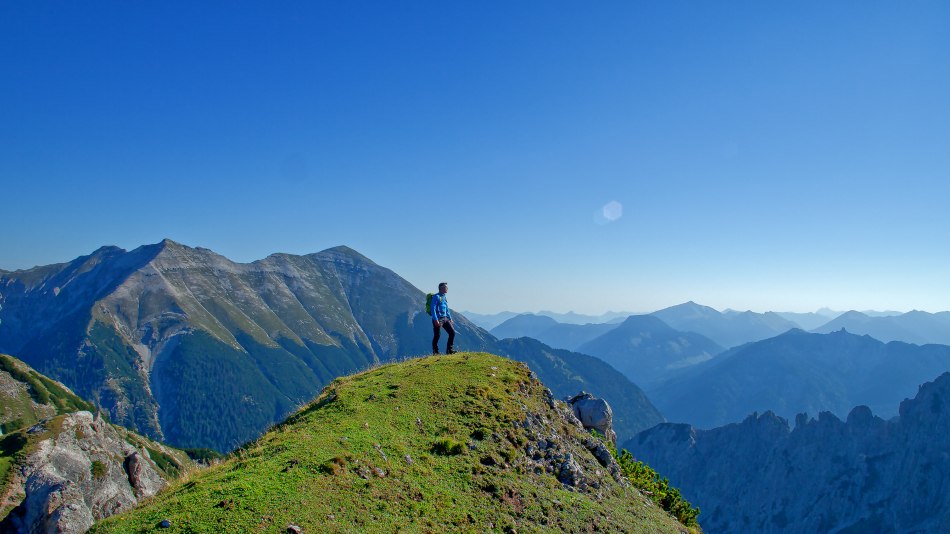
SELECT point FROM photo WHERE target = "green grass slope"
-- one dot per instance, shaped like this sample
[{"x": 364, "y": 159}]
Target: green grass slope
[
  {"x": 26, "y": 397},
  {"x": 444, "y": 443}
]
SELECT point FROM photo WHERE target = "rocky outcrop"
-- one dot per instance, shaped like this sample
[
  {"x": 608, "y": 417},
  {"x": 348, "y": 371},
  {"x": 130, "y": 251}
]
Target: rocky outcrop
[
  {"x": 81, "y": 469},
  {"x": 864, "y": 474},
  {"x": 593, "y": 413},
  {"x": 550, "y": 449}
]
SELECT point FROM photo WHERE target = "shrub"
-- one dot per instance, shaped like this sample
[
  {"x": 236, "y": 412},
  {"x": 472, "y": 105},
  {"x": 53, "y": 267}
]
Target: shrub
[
  {"x": 669, "y": 498},
  {"x": 98, "y": 469},
  {"x": 333, "y": 466},
  {"x": 447, "y": 447},
  {"x": 203, "y": 455}
]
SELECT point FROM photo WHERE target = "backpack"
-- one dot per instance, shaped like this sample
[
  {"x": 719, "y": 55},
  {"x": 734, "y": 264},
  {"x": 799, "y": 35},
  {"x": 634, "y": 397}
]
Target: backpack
[{"x": 429, "y": 303}]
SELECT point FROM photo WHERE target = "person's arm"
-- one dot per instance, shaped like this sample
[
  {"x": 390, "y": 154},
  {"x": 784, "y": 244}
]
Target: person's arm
[
  {"x": 432, "y": 306},
  {"x": 447, "y": 312}
]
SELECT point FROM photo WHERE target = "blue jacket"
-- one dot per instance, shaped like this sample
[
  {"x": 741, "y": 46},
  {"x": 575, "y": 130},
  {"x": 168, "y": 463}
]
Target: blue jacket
[{"x": 440, "y": 307}]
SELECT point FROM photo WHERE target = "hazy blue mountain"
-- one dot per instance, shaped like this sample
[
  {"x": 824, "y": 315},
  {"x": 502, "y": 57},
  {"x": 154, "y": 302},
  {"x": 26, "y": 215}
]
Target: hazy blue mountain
[
  {"x": 911, "y": 327},
  {"x": 647, "y": 351},
  {"x": 862, "y": 475},
  {"x": 727, "y": 329},
  {"x": 549, "y": 331},
  {"x": 489, "y": 320},
  {"x": 800, "y": 372},
  {"x": 870, "y": 313},
  {"x": 189, "y": 347},
  {"x": 571, "y": 336},
  {"x": 806, "y": 321},
  {"x": 526, "y": 324},
  {"x": 580, "y": 318},
  {"x": 568, "y": 373}
]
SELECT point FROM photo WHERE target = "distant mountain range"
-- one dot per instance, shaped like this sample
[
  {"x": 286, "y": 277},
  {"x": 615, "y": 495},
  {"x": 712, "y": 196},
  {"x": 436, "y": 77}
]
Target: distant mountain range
[
  {"x": 648, "y": 351},
  {"x": 911, "y": 327},
  {"x": 490, "y": 321},
  {"x": 806, "y": 321},
  {"x": 551, "y": 332},
  {"x": 727, "y": 329},
  {"x": 862, "y": 475},
  {"x": 800, "y": 372},
  {"x": 189, "y": 347}
]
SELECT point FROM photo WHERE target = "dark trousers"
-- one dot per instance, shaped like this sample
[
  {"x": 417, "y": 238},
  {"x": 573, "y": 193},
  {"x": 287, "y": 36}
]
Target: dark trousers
[{"x": 435, "y": 336}]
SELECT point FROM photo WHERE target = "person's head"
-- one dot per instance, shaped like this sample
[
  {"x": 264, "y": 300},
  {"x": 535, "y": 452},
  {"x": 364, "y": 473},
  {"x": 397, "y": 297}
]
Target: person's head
[{"x": 443, "y": 287}]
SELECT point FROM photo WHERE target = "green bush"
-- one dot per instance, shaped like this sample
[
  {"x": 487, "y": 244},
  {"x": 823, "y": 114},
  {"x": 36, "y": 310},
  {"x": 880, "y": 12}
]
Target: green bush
[
  {"x": 203, "y": 455},
  {"x": 658, "y": 488},
  {"x": 447, "y": 447},
  {"x": 98, "y": 469}
]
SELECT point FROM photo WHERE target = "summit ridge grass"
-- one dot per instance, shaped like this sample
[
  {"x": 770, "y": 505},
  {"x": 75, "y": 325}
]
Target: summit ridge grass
[{"x": 426, "y": 445}]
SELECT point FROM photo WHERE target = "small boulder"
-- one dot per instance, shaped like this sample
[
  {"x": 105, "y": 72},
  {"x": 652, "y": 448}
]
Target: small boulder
[{"x": 594, "y": 413}]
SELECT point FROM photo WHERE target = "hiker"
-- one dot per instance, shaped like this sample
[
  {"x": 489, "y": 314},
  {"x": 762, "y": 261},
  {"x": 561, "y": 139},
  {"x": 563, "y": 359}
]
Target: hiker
[{"x": 441, "y": 318}]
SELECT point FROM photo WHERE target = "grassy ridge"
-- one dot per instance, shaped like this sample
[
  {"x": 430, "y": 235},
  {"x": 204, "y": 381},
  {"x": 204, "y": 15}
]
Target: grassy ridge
[
  {"x": 42, "y": 397},
  {"x": 432, "y": 444}
]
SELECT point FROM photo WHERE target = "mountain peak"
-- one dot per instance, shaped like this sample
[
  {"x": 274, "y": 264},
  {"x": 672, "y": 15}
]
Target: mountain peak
[
  {"x": 690, "y": 307},
  {"x": 343, "y": 252},
  {"x": 645, "y": 321}
]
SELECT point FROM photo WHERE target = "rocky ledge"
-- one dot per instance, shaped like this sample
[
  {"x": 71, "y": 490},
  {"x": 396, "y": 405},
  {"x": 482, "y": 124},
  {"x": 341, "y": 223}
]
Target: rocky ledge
[{"x": 80, "y": 469}]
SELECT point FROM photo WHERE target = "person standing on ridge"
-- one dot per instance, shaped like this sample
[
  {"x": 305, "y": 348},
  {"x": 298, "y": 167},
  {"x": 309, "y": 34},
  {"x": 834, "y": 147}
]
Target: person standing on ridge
[{"x": 442, "y": 318}]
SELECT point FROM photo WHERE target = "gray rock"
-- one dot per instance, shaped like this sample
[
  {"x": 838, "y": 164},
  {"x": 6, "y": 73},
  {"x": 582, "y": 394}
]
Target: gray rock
[
  {"x": 84, "y": 473},
  {"x": 594, "y": 413},
  {"x": 145, "y": 481},
  {"x": 864, "y": 474}
]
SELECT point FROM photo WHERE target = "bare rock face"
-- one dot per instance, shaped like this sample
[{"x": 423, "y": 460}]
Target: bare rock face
[
  {"x": 864, "y": 474},
  {"x": 594, "y": 413},
  {"x": 83, "y": 472}
]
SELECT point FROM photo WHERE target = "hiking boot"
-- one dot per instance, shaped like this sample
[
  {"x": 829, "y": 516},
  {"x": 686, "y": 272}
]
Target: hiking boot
[{"x": 450, "y": 351}]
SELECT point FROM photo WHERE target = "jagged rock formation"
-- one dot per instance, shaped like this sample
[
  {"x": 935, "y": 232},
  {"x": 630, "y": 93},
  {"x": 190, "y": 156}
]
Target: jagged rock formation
[
  {"x": 77, "y": 469},
  {"x": 188, "y": 347},
  {"x": 861, "y": 475}
]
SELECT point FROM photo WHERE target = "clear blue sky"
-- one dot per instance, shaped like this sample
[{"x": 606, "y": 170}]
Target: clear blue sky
[{"x": 752, "y": 155}]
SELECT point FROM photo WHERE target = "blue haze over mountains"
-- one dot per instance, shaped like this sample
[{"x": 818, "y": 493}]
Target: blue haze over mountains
[
  {"x": 850, "y": 463},
  {"x": 857, "y": 475},
  {"x": 772, "y": 365}
]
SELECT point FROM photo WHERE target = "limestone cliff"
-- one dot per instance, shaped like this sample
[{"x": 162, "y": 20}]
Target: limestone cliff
[{"x": 864, "y": 474}]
